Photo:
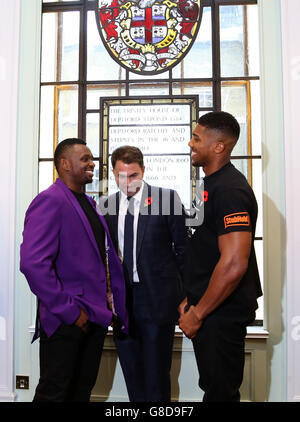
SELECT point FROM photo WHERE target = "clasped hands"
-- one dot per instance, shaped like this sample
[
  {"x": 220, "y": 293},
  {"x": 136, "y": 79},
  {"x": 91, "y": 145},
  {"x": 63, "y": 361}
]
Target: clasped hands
[{"x": 189, "y": 321}]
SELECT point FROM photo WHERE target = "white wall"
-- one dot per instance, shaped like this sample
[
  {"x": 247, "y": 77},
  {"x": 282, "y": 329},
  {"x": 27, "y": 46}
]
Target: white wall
[
  {"x": 9, "y": 50},
  {"x": 273, "y": 196},
  {"x": 26, "y": 354},
  {"x": 290, "y": 12},
  {"x": 18, "y": 190}
]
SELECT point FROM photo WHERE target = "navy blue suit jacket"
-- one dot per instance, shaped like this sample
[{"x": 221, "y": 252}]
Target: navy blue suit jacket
[{"x": 161, "y": 237}]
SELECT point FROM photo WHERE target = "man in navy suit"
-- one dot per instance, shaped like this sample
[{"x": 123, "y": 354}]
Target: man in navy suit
[{"x": 147, "y": 224}]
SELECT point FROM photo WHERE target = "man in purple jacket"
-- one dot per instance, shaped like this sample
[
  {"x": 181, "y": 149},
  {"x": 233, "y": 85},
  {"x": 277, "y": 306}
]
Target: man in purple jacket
[{"x": 71, "y": 266}]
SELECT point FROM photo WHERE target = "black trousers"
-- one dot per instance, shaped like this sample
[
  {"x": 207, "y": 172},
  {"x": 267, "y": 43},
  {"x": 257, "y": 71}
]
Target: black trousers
[
  {"x": 220, "y": 354},
  {"x": 69, "y": 363},
  {"x": 146, "y": 353}
]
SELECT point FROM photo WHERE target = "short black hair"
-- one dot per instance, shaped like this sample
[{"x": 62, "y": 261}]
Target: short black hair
[
  {"x": 128, "y": 154},
  {"x": 222, "y": 121},
  {"x": 63, "y": 146}
]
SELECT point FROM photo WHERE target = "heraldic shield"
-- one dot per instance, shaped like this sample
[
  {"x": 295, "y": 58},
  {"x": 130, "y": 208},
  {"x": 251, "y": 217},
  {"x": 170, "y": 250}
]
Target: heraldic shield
[{"x": 148, "y": 36}]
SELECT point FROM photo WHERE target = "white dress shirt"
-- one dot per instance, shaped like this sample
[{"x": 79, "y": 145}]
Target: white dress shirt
[{"x": 121, "y": 223}]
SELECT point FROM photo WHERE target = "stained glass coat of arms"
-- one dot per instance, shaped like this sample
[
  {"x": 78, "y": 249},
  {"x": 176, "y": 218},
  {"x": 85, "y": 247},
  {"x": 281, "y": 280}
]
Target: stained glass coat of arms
[{"x": 148, "y": 36}]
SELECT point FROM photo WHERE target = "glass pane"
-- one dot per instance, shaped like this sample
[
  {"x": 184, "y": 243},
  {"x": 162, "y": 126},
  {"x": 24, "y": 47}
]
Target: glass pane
[
  {"x": 67, "y": 112},
  {"x": 52, "y": 1},
  {"x": 198, "y": 61},
  {"x": 59, "y": 117},
  {"x": 46, "y": 169},
  {"x": 148, "y": 89},
  {"x": 235, "y": 98},
  {"x": 256, "y": 135},
  {"x": 100, "y": 66},
  {"x": 242, "y": 99},
  {"x": 239, "y": 47},
  {"x": 258, "y": 245},
  {"x": 203, "y": 112},
  {"x": 47, "y": 138},
  {"x": 60, "y": 47},
  {"x": 163, "y": 75},
  {"x": 253, "y": 40},
  {"x": 204, "y": 91},
  {"x": 94, "y": 92},
  {"x": 244, "y": 166},
  {"x": 92, "y": 132}
]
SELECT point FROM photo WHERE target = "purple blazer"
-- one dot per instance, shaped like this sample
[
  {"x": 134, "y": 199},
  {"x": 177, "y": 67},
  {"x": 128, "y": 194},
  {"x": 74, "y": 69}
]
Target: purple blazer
[{"x": 62, "y": 264}]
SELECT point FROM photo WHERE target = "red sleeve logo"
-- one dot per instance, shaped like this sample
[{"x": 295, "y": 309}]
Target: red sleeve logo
[{"x": 237, "y": 219}]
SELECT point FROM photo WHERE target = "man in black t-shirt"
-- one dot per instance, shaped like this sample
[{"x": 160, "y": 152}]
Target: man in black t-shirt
[{"x": 221, "y": 275}]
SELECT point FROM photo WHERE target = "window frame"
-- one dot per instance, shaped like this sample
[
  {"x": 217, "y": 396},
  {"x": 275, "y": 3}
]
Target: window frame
[{"x": 216, "y": 80}]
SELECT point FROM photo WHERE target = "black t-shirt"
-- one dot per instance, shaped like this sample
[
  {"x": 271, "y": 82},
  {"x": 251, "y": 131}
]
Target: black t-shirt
[
  {"x": 229, "y": 205},
  {"x": 94, "y": 221}
]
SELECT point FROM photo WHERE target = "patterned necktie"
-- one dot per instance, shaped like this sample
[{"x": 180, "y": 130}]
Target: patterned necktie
[{"x": 128, "y": 239}]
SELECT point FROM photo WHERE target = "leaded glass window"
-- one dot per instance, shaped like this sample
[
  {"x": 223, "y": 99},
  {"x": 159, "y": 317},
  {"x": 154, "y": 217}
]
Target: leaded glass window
[{"x": 220, "y": 69}]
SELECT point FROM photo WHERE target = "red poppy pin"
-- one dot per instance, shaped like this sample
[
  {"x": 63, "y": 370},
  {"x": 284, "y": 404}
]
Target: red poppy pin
[
  {"x": 204, "y": 195},
  {"x": 148, "y": 201}
]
